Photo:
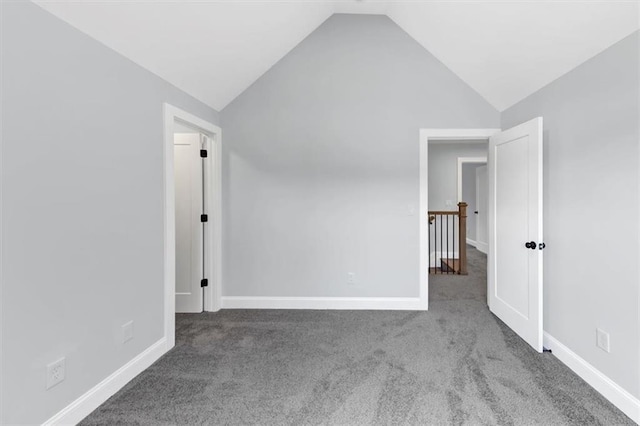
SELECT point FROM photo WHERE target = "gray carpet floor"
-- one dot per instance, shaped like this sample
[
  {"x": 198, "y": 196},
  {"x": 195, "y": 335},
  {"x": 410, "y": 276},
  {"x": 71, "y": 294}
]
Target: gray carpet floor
[{"x": 455, "y": 364}]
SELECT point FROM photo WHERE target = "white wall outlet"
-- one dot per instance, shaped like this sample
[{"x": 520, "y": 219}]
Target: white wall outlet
[
  {"x": 602, "y": 340},
  {"x": 127, "y": 332},
  {"x": 55, "y": 372},
  {"x": 351, "y": 278}
]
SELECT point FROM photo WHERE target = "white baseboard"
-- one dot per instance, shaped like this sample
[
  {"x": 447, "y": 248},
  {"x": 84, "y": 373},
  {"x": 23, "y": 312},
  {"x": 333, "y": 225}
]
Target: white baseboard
[
  {"x": 619, "y": 397},
  {"x": 472, "y": 242},
  {"x": 482, "y": 247},
  {"x": 355, "y": 303},
  {"x": 80, "y": 408}
]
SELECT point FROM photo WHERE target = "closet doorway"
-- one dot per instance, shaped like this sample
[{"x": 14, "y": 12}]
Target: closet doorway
[{"x": 192, "y": 212}]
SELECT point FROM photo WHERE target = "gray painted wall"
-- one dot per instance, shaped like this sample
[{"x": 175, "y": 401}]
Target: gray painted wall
[
  {"x": 443, "y": 170},
  {"x": 321, "y": 167},
  {"x": 82, "y": 209},
  {"x": 591, "y": 207}
]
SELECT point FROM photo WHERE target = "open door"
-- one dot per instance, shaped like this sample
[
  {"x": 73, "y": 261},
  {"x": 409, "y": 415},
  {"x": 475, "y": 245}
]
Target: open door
[
  {"x": 515, "y": 229},
  {"x": 189, "y": 238}
]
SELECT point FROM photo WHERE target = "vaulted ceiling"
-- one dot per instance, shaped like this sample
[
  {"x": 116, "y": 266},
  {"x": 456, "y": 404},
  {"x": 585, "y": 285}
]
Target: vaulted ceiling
[{"x": 214, "y": 50}]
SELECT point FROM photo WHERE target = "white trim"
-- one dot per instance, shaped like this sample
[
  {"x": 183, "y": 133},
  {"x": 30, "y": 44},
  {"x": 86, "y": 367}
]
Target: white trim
[
  {"x": 482, "y": 247},
  {"x": 213, "y": 261},
  {"x": 92, "y": 399},
  {"x": 637, "y": 418},
  {"x": 477, "y": 135},
  {"x": 427, "y": 135},
  {"x": 619, "y": 397},
  {"x": 424, "y": 220},
  {"x": 472, "y": 242},
  {"x": 338, "y": 303},
  {"x": 463, "y": 160}
]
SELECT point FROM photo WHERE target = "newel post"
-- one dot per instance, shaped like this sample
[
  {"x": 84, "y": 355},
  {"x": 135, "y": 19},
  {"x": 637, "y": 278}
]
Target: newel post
[{"x": 462, "y": 243}]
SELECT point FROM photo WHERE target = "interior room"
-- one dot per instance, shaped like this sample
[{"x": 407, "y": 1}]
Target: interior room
[{"x": 243, "y": 211}]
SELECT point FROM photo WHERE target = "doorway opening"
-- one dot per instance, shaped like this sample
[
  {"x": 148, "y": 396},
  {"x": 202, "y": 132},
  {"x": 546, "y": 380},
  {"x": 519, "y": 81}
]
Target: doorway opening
[
  {"x": 440, "y": 150},
  {"x": 192, "y": 203},
  {"x": 456, "y": 270},
  {"x": 473, "y": 190}
]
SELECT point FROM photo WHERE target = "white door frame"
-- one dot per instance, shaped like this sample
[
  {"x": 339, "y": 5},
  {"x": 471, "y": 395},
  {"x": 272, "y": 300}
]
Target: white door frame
[
  {"x": 462, "y": 161},
  {"x": 213, "y": 207},
  {"x": 427, "y": 135},
  {"x": 482, "y": 246}
]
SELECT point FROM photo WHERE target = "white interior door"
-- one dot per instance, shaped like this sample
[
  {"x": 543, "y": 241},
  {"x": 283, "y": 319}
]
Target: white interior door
[
  {"x": 189, "y": 248},
  {"x": 515, "y": 229},
  {"x": 481, "y": 207}
]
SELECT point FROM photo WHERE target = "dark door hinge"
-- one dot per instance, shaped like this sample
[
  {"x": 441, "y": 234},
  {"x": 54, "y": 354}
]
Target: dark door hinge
[
  {"x": 204, "y": 218},
  {"x": 204, "y": 282},
  {"x": 203, "y": 153}
]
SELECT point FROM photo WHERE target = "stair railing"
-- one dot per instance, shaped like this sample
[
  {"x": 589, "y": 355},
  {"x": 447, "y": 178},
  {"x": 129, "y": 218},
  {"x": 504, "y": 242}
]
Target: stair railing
[{"x": 448, "y": 241}]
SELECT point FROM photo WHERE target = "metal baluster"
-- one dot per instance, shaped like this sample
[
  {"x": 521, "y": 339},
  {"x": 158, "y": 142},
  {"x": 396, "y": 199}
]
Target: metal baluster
[
  {"x": 447, "y": 240},
  {"x": 454, "y": 244},
  {"x": 440, "y": 243}
]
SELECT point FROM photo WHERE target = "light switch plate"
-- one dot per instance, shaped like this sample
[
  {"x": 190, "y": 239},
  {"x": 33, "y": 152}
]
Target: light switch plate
[
  {"x": 351, "y": 278},
  {"x": 602, "y": 340},
  {"x": 127, "y": 332}
]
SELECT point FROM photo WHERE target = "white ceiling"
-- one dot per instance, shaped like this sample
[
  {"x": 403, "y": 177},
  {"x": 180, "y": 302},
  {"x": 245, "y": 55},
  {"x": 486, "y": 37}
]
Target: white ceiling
[{"x": 215, "y": 49}]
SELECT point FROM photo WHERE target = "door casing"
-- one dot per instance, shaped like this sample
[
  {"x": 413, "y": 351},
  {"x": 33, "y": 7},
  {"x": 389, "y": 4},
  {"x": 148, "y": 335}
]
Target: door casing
[
  {"x": 482, "y": 245},
  {"x": 426, "y": 135}
]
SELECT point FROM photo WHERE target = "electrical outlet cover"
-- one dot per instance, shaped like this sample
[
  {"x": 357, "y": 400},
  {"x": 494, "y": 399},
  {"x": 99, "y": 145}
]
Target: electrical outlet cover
[{"x": 55, "y": 372}]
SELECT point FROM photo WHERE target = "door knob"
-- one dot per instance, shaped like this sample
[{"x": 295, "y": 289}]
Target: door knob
[{"x": 531, "y": 245}]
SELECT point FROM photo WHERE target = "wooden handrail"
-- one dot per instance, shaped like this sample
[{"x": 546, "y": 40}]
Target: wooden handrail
[{"x": 462, "y": 235}]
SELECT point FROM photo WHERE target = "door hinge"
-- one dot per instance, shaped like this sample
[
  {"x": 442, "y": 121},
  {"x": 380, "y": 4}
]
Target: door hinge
[
  {"x": 203, "y": 153},
  {"x": 204, "y": 218},
  {"x": 204, "y": 282}
]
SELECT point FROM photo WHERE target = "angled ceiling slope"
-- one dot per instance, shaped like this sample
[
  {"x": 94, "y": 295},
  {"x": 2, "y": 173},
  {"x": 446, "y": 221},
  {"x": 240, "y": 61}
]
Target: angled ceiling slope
[{"x": 215, "y": 50}]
